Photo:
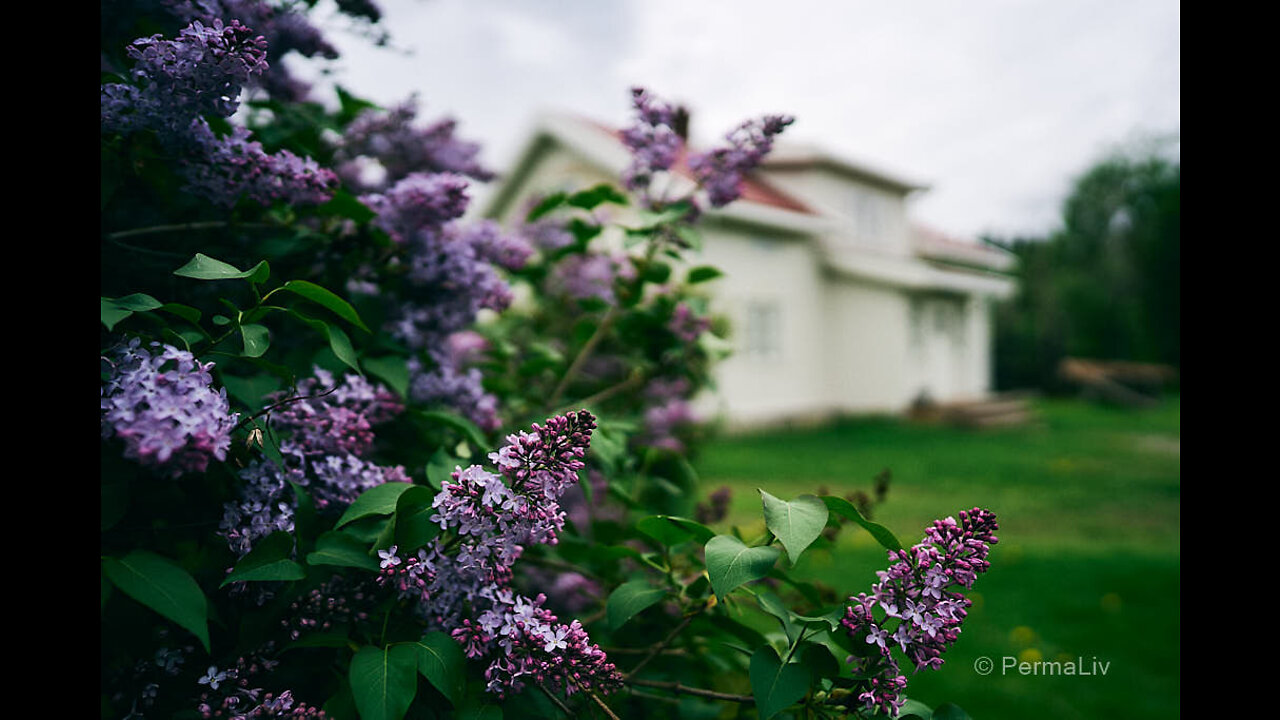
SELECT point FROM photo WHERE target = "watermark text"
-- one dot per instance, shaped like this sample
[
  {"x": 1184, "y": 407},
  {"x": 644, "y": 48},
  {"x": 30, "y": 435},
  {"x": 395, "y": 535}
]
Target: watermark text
[{"x": 1009, "y": 665}]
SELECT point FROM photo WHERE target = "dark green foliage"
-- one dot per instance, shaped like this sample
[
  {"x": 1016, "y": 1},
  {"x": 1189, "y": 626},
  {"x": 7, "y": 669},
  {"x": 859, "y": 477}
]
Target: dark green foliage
[{"x": 1106, "y": 284}]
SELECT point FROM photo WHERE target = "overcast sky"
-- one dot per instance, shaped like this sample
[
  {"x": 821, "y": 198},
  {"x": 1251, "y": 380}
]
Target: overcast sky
[{"x": 995, "y": 104}]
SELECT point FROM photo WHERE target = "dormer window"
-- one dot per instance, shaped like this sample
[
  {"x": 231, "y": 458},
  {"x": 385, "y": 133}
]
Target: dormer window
[
  {"x": 867, "y": 210},
  {"x": 764, "y": 330}
]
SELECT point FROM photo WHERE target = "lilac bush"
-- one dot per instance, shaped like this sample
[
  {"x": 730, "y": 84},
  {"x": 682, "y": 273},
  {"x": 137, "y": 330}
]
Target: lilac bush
[{"x": 331, "y": 368}]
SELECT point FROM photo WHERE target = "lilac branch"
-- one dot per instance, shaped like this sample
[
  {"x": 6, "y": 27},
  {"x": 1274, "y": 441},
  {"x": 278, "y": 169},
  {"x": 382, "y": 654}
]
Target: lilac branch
[
  {"x": 584, "y": 354},
  {"x": 679, "y": 689}
]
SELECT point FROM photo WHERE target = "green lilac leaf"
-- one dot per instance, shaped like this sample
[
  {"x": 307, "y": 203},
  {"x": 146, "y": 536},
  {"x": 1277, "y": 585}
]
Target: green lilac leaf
[
  {"x": 378, "y": 500},
  {"x": 796, "y": 524},
  {"x": 730, "y": 563},
  {"x": 326, "y": 298},
  {"x": 163, "y": 586},
  {"x": 441, "y": 662},
  {"x": 672, "y": 530},
  {"x": 268, "y": 560},
  {"x": 774, "y": 685},
  {"x": 186, "y": 312},
  {"x": 629, "y": 599},
  {"x": 203, "y": 267},
  {"x": 772, "y": 604},
  {"x": 413, "y": 526},
  {"x": 549, "y": 203},
  {"x": 703, "y": 273},
  {"x": 602, "y": 193},
  {"x": 256, "y": 339},
  {"x": 393, "y": 370},
  {"x": 138, "y": 302},
  {"x": 468, "y": 429},
  {"x": 950, "y": 711},
  {"x": 843, "y": 507},
  {"x": 344, "y": 550},
  {"x": 112, "y": 313},
  {"x": 384, "y": 681},
  {"x": 819, "y": 660}
]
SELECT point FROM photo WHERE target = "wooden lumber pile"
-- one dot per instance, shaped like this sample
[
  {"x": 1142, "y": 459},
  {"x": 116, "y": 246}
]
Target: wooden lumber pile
[
  {"x": 1129, "y": 384},
  {"x": 1003, "y": 410}
]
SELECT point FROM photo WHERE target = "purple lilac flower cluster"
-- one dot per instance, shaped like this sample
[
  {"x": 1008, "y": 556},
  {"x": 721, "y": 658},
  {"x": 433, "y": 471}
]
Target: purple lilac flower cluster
[
  {"x": 652, "y": 138},
  {"x": 332, "y": 418},
  {"x": 265, "y": 505},
  {"x": 340, "y": 479},
  {"x": 918, "y": 591},
  {"x": 667, "y": 413},
  {"x": 547, "y": 234},
  {"x": 391, "y": 139},
  {"x": 284, "y": 30},
  {"x": 537, "y": 648},
  {"x": 590, "y": 275},
  {"x": 656, "y": 146},
  {"x": 176, "y": 83},
  {"x": 687, "y": 326},
  {"x": 233, "y": 166},
  {"x": 448, "y": 383},
  {"x": 450, "y": 276},
  {"x": 328, "y": 429},
  {"x": 162, "y": 405},
  {"x": 419, "y": 204},
  {"x": 231, "y": 693},
  {"x": 491, "y": 520},
  {"x": 720, "y": 171}
]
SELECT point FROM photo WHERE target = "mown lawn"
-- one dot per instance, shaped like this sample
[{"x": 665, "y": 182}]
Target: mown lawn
[{"x": 1088, "y": 561}]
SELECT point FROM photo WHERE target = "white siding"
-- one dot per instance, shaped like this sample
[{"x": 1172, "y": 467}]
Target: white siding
[
  {"x": 979, "y": 311},
  {"x": 772, "y": 285},
  {"x": 867, "y": 341}
]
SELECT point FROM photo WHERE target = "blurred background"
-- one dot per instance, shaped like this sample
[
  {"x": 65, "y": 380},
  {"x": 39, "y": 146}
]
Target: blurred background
[{"x": 956, "y": 283}]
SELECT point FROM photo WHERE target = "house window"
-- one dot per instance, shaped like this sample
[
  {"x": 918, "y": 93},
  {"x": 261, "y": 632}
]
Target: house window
[
  {"x": 764, "y": 330},
  {"x": 868, "y": 216}
]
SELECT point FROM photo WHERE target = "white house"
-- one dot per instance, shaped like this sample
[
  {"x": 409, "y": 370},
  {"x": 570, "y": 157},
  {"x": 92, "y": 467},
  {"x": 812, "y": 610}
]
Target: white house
[{"x": 839, "y": 304}]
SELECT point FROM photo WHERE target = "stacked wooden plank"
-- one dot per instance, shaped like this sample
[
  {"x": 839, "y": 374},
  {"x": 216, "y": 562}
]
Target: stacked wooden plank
[
  {"x": 1117, "y": 382},
  {"x": 1002, "y": 410}
]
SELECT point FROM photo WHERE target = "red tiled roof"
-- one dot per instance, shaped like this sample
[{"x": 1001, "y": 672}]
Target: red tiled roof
[{"x": 754, "y": 189}]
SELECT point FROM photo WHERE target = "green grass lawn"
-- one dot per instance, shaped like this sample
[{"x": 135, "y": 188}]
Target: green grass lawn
[{"x": 1088, "y": 560}]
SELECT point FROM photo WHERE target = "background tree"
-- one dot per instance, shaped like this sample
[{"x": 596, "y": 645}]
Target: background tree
[{"x": 1106, "y": 284}]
